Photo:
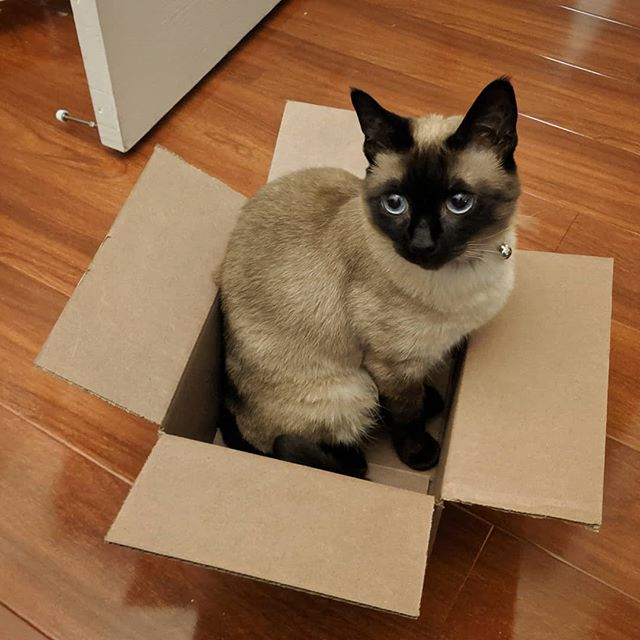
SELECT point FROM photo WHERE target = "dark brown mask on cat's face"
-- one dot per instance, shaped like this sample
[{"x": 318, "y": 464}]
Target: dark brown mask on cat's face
[{"x": 442, "y": 188}]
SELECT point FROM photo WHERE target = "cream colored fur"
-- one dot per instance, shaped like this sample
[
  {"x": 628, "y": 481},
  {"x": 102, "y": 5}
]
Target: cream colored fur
[{"x": 322, "y": 314}]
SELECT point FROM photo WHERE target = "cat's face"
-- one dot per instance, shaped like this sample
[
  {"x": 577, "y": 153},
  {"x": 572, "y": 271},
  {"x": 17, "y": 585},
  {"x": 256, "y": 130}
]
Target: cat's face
[{"x": 442, "y": 189}]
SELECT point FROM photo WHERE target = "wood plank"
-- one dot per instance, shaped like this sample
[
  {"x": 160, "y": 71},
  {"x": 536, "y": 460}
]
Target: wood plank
[
  {"x": 517, "y": 591},
  {"x": 458, "y": 541},
  {"x": 613, "y": 554},
  {"x": 547, "y": 90},
  {"x": 40, "y": 247},
  {"x": 59, "y": 573},
  {"x": 102, "y": 432},
  {"x": 542, "y": 224},
  {"x": 623, "y": 11},
  {"x": 580, "y": 174},
  {"x": 61, "y": 192},
  {"x": 591, "y": 236},
  {"x": 548, "y": 29},
  {"x": 555, "y": 164},
  {"x": 56, "y": 569},
  {"x": 624, "y": 385},
  {"x": 15, "y": 628},
  {"x": 45, "y": 160}
]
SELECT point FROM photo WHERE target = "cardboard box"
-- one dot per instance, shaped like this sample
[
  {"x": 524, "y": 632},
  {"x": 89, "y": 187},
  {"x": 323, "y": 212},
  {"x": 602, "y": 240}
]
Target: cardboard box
[{"x": 526, "y": 428}]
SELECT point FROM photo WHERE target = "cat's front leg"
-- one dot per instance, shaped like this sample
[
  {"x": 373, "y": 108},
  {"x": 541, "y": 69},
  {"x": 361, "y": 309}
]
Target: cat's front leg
[
  {"x": 414, "y": 445},
  {"x": 407, "y": 404}
]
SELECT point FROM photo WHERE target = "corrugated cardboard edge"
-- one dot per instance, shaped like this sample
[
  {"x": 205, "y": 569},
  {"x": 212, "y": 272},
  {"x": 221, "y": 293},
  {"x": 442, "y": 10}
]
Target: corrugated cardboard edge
[
  {"x": 315, "y": 594},
  {"x": 597, "y": 327},
  {"x": 400, "y": 478},
  {"x": 435, "y": 524},
  {"x": 142, "y": 523}
]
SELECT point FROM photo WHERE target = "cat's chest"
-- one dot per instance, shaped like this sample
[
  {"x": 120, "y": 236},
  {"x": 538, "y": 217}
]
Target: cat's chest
[
  {"x": 424, "y": 334},
  {"x": 425, "y": 324}
]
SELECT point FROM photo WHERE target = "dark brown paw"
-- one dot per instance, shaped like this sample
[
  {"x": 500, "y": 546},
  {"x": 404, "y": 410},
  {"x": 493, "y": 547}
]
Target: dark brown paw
[
  {"x": 420, "y": 451},
  {"x": 350, "y": 458}
]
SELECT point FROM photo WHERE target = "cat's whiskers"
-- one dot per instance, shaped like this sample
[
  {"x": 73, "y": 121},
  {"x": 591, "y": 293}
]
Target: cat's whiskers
[
  {"x": 482, "y": 245},
  {"x": 497, "y": 233},
  {"x": 471, "y": 256},
  {"x": 481, "y": 250},
  {"x": 478, "y": 250}
]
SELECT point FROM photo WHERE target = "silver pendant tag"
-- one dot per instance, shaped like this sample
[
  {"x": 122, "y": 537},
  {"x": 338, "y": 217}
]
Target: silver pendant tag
[{"x": 505, "y": 250}]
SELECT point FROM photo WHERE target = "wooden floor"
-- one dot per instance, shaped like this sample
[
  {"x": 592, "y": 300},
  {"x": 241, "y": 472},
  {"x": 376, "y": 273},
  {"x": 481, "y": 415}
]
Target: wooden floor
[{"x": 67, "y": 459}]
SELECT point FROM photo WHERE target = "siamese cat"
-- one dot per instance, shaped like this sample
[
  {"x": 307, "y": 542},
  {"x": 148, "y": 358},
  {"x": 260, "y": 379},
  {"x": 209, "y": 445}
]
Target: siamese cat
[{"x": 340, "y": 295}]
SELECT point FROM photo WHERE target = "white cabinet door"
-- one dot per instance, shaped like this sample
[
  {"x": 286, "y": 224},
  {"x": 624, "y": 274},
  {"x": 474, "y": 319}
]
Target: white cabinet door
[{"x": 142, "y": 56}]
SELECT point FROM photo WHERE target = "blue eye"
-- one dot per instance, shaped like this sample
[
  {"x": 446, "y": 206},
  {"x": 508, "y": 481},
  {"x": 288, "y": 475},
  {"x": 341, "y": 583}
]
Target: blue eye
[
  {"x": 395, "y": 204},
  {"x": 460, "y": 203}
]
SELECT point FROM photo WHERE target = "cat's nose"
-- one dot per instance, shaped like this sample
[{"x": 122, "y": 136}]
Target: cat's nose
[{"x": 422, "y": 240}]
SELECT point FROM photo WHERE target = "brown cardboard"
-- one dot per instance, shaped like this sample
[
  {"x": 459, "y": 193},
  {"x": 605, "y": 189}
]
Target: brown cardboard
[
  {"x": 315, "y": 136},
  {"x": 131, "y": 324},
  {"x": 527, "y": 431},
  {"x": 283, "y": 523},
  {"x": 193, "y": 411},
  {"x": 143, "y": 331}
]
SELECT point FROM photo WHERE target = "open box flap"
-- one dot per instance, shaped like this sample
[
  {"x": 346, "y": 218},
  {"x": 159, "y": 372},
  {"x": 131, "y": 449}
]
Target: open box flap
[
  {"x": 132, "y": 322},
  {"x": 315, "y": 136},
  {"x": 308, "y": 529},
  {"x": 527, "y": 432}
]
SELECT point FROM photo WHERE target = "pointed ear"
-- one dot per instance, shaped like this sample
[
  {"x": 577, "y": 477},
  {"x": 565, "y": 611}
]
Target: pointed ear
[
  {"x": 383, "y": 130},
  {"x": 491, "y": 122}
]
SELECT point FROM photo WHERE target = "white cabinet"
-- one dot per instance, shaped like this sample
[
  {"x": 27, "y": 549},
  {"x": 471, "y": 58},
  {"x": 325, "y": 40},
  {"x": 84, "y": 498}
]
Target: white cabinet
[{"x": 142, "y": 56}]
